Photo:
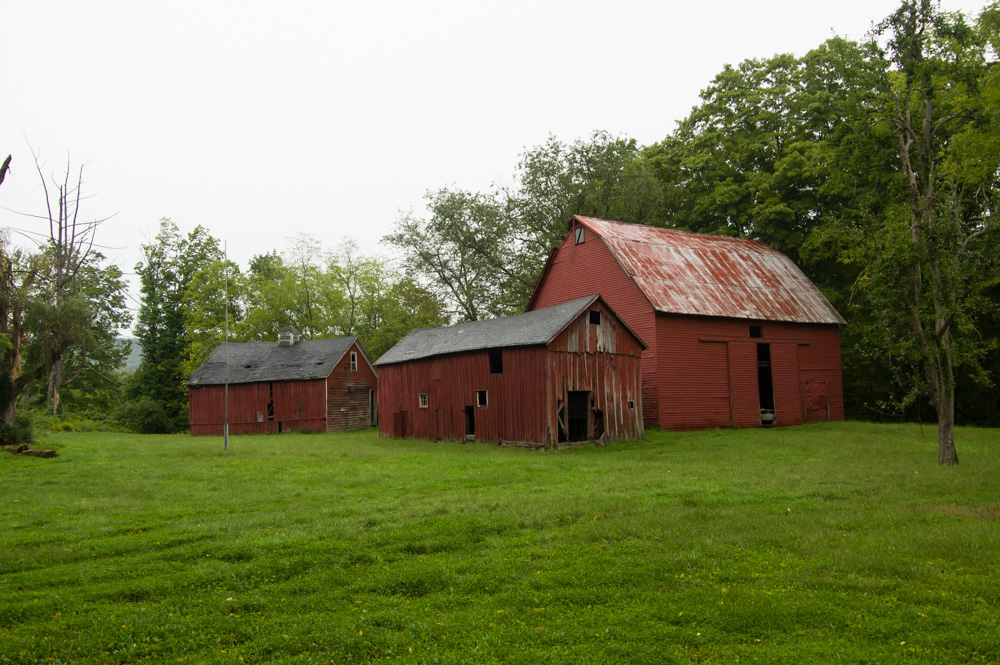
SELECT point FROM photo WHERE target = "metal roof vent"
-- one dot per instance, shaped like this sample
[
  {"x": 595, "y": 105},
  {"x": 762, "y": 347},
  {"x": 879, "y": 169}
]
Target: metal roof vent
[{"x": 288, "y": 336}]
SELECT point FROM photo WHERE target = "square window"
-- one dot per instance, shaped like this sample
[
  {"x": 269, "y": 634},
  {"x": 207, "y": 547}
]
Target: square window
[
  {"x": 354, "y": 361},
  {"x": 579, "y": 235},
  {"x": 595, "y": 317},
  {"x": 480, "y": 398},
  {"x": 756, "y": 331},
  {"x": 422, "y": 399}
]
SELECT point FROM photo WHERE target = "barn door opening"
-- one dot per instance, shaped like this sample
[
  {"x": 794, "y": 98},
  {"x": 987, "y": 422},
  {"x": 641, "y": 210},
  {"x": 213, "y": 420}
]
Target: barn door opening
[
  {"x": 765, "y": 385},
  {"x": 373, "y": 407},
  {"x": 579, "y": 407},
  {"x": 470, "y": 423}
]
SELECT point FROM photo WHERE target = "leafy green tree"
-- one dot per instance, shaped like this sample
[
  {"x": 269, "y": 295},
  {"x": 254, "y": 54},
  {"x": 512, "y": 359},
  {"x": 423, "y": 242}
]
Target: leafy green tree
[
  {"x": 927, "y": 258},
  {"x": 212, "y": 294},
  {"x": 168, "y": 266}
]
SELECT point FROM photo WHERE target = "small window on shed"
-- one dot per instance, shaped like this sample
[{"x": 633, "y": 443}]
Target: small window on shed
[
  {"x": 480, "y": 398},
  {"x": 422, "y": 399},
  {"x": 579, "y": 235},
  {"x": 496, "y": 361},
  {"x": 595, "y": 317},
  {"x": 631, "y": 404},
  {"x": 756, "y": 331},
  {"x": 354, "y": 361}
]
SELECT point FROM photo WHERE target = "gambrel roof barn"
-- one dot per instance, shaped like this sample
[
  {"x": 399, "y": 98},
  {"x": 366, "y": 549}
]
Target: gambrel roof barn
[{"x": 737, "y": 334}]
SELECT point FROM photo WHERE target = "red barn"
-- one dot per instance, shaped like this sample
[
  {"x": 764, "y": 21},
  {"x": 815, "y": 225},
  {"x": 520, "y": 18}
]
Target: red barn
[
  {"x": 318, "y": 385},
  {"x": 738, "y": 336},
  {"x": 571, "y": 372}
]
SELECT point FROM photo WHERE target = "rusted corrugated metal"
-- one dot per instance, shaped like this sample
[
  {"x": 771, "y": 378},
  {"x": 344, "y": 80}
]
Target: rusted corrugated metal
[
  {"x": 522, "y": 402},
  {"x": 706, "y": 275},
  {"x": 693, "y": 299}
]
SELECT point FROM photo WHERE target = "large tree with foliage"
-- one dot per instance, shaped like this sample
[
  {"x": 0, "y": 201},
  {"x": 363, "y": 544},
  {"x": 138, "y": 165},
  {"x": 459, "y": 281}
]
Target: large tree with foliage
[
  {"x": 168, "y": 266},
  {"x": 929, "y": 258}
]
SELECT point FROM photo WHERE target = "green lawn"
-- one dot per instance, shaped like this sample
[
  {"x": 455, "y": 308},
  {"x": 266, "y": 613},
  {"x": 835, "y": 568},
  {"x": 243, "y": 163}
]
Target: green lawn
[{"x": 822, "y": 543}]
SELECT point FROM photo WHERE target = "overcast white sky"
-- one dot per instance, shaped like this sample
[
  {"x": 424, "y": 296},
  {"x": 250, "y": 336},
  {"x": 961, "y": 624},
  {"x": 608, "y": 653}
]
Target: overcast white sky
[{"x": 261, "y": 119}]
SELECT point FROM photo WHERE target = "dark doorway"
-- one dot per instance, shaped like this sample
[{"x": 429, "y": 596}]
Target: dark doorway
[
  {"x": 579, "y": 406},
  {"x": 470, "y": 422},
  {"x": 373, "y": 407},
  {"x": 765, "y": 386}
]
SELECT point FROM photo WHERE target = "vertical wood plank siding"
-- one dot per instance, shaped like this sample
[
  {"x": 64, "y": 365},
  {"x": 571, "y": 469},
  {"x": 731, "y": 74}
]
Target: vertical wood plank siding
[
  {"x": 523, "y": 401},
  {"x": 348, "y": 394},
  {"x": 573, "y": 274},
  {"x": 339, "y": 402}
]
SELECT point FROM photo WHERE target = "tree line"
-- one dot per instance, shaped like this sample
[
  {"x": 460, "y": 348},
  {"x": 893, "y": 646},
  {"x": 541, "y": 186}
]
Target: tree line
[{"x": 874, "y": 164}]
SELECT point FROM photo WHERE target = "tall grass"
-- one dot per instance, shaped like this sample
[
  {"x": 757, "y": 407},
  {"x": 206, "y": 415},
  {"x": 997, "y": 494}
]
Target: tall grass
[{"x": 810, "y": 544}]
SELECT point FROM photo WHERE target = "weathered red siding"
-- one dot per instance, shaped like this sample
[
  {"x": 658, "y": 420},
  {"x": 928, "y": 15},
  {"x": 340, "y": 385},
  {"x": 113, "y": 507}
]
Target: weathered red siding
[
  {"x": 581, "y": 270},
  {"x": 340, "y": 402},
  {"x": 708, "y": 372},
  {"x": 522, "y": 402},
  {"x": 298, "y": 406},
  {"x": 349, "y": 394}
]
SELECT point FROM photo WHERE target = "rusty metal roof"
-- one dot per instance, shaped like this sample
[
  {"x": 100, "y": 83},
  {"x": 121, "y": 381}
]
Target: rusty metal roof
[{"x": 706, "y": 275}]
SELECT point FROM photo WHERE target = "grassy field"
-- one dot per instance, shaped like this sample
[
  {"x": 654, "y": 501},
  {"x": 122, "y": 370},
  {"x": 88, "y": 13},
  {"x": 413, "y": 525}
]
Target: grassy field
[{"x": 823, "y": 543}]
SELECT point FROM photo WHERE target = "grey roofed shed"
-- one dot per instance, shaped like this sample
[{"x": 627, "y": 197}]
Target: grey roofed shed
[{"x": 250, "y": 362}]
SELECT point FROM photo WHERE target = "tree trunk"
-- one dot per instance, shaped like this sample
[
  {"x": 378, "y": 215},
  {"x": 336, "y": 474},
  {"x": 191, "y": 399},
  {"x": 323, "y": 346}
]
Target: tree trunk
[{"x": 946, "y": 413}]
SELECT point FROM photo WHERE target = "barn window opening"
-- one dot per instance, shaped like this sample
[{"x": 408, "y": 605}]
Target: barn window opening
[
  {"x": 756, "y": 331},
  {"x": 595, "y": 317},
  {"x": 631, "y": 404},
  {"x": 579, "y": 235},
  {"x": 354, "y": 361},
  {"x": 480, "y": 398},
  {"x": 422, "y": 398},
  {"x": 496, "y": 361}
]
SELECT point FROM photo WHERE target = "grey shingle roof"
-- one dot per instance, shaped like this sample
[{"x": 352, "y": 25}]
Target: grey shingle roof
[
  {"x": 530, "y": 328},
  {"x": 266, "y": 361}
]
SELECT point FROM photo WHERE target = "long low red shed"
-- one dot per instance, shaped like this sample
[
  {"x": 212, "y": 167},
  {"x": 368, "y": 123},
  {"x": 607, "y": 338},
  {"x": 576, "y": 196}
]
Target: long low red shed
[
  {"x": 320, "y": 385},
  {"x": 566, "y": 373}
]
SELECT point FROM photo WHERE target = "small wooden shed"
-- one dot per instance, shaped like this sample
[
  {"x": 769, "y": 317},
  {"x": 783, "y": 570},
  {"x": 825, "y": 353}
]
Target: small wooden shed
[
  {"x": 317, "y": 385},
  {"x": 565, "y": 373},
  {"x": 738, "y": 335}
]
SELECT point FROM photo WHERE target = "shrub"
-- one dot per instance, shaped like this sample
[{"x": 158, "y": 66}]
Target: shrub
[
  {"x": 144, "y": 416},
  {"x": 18, "y": 433}
]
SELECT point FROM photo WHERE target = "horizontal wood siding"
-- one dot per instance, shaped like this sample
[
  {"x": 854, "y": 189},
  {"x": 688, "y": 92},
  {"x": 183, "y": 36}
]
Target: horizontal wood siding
[
  {"x": 706, "y": 363},
  {"x": 588, "y": 268},
  {"x": 348, "y": 401},
  {"x": 523, "y": 400},
  {"x": 787, "y": 386}
]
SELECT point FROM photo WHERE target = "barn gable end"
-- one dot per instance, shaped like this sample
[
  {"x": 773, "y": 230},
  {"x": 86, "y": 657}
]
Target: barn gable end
[{"x": 558, "y": 374}]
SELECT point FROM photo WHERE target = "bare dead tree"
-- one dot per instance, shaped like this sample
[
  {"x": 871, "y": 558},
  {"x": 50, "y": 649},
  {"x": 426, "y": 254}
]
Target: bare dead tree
[{"x": 71, "y": 243}]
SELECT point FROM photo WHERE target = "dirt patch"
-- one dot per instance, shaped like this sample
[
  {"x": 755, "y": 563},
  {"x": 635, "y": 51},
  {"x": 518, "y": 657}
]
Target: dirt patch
[
  {"x": 25, "y": 449},
  {"x": 975, "y": 512}
]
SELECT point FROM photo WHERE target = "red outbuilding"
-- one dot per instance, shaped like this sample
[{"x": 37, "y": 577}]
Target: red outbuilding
[
  {"x": 317, "y": 385},
  {"x": 570, "y": 372},
  {"x": 737, "y": 335}
]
